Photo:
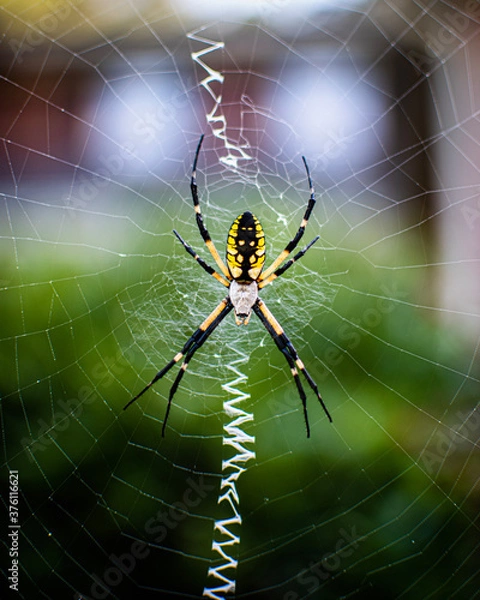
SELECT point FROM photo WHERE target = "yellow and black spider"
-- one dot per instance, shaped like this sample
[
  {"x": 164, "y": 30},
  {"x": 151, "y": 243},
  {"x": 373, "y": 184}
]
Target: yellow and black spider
[{"x": 243, "y": 275}]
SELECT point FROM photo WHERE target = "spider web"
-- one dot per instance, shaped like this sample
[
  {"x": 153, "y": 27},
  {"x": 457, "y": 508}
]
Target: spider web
[{"x": 102, "y": 108}]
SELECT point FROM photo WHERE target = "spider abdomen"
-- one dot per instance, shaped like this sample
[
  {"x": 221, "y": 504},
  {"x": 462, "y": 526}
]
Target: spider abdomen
[{"x": 246, "y": 248}]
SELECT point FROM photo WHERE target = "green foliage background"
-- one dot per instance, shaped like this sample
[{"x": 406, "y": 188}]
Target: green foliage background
[{"x": 397, "y": 469}]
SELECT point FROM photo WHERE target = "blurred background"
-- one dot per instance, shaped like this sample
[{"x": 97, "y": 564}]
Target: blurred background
[{"x": 101, "y": 109}]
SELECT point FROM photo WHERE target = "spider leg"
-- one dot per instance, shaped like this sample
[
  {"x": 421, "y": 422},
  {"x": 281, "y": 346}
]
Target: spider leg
[
  {"x": 188, "y": 350},
  {"x": 286, "y": 347},
  {"x": 210, "y": 270},
  {"x": 298, "y": 236},
  {"x": 287, "y": 265},
  {"x": 201, "y": 226}
]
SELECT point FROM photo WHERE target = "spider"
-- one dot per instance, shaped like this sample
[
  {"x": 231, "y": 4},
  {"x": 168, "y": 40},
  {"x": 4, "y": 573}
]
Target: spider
[{"x": 243, "y": 275}]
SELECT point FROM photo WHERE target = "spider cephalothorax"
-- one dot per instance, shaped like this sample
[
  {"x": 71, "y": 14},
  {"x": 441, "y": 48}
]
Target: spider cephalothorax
[{"x": 244, "y": 276}]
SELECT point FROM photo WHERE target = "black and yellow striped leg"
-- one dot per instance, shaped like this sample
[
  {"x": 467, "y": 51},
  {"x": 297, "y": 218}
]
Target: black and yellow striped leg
[
  {"x": 200, "y": 336},
  {"x": 188, "y": 350},
  {"x": 290, "y": 247},
  {"x": 286, "y": 347},
  {"x": 287, "y": 265},
  {"x": 198, "y": 214},
  {"x": 210, "y": 270}
]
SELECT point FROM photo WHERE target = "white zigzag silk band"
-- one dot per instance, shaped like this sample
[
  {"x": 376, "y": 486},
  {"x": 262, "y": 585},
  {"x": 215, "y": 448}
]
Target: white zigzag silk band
[
  {"x": 217, "y": 121},
  {"x": 232, "y": 468},
  {"x": 223, "y": 574}
]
